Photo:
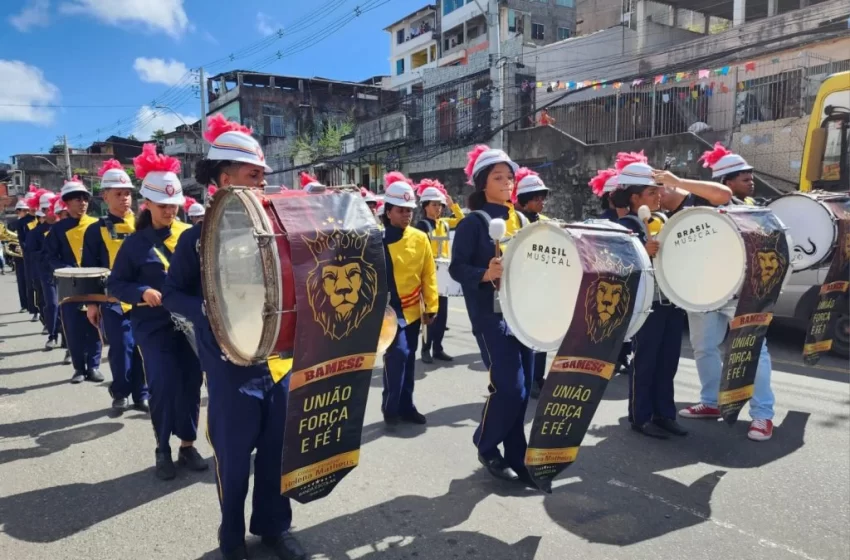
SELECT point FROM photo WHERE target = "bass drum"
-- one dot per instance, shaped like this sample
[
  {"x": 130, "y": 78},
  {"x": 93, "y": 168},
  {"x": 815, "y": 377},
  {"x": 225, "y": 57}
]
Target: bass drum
[
  {"x": 811, "y": 224},
  {"x": 81, "y": 285},
  {"x": 541, "y": 284},
  {"x": 702, "y": 262},
  {"x": 446, "y": 285}
]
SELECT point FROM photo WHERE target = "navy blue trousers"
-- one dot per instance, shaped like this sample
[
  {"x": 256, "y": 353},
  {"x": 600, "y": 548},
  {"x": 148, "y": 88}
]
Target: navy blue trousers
[
  {"x": 437, "y": 329},
  {"x": 539, "y": 367},
  {"x": 21, "y": 276},
  {"x": 485, "y": 356},
  {"x": 50, "y": 312},
  {"x": 82, "y": 338},
  {"x": 125, "y": 361},
  {"x": 657, "y": 345},
  {"x": 28, "y": 286},
  {"x": 173, "y": 375},
  {"x": 237, "y": 424},
  {"x": 399, "y": 372},
  {"x": 38, "y": 299},
  {"x": 503, "y": 418}
]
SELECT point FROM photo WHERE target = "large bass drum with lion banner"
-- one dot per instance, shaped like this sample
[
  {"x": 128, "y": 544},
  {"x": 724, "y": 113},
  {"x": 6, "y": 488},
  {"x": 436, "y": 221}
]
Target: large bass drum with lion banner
[{"x": 302, "y": 276}]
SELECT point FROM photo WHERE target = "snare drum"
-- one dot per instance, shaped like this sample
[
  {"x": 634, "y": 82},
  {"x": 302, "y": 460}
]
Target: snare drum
[
  {"x": 811, "y": 224},
  {"x": 83, "y": 285},
  {"x": 702, "y": 262},
  {"x": 541, "y": 284},
  {"x": 446, "y": 285},
  {"x": 248, "y": 277}
]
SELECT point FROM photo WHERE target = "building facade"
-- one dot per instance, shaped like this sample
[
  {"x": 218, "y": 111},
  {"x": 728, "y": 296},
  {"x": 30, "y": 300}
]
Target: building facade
[{"x": 413, "y": 48}]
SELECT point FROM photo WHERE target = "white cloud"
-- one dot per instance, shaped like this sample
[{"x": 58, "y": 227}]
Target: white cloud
[
  {"x": 266, "y": 25},
  {"x": 209, "y": 37},
  {"x": 159, "y": 71},
  {"x": 149, "y": 119},
  {"x": 33, "y": 14},
  {"x": 167, "y": 16},
  {"x": 24, "y": 93}
]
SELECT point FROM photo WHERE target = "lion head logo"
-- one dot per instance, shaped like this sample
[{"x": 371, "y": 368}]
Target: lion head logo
[
  {"x": 769, "y": 266},
  {"x": 341, "y": 288},
  {"x": 607, "y": 299}
]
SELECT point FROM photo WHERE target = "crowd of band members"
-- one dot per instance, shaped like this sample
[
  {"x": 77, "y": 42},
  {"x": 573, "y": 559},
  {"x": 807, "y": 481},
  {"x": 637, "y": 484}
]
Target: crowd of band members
[{"x": 156, "y": 272}]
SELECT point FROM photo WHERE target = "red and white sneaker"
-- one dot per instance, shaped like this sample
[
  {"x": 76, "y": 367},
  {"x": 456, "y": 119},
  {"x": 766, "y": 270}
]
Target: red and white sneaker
[
  {"x": 700, "y": 411},
  {"x": 760, "y": 430}
]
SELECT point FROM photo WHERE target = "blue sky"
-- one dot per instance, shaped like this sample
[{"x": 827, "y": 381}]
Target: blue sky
[{"x": 77, "y": 67}]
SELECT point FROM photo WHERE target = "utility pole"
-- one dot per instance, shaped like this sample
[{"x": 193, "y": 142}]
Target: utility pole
[
  {"x": 67, "y": 157},
  {"x": 497, "y": 96},
  {"x": 202, "y": 143}
]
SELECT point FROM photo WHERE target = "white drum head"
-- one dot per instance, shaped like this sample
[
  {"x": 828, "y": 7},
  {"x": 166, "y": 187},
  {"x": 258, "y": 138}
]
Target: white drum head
[
  {"x": 83, "y": 272},
  {"x": 702, "y": 260},
  {"x": 540, "y": 285},
  {"x": 646, "y": 291},
  {"x": 811, "y": 226}
]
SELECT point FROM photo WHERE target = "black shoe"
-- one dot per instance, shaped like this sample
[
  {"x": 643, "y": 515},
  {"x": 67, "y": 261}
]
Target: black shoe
[
  {"x": 442, "y": 356},
  {"x": 499, "y": 468},
  {"x": 143, "y": 406},
  {"x": 79, "y": 377},
  {"x": 165, "y": 469},
  {"x": 190, "y": 458},
  {"x": 120, "y": 404},
  {"x": 286, "y": 546},
  {"x": 426, "y": 357},
  {"x": 535, "y": 389},
  {"x": 671, "y": 426},
  {"x": 94, "y": 376},
  {"x": 44, "y": 331},
  {"x": 651, "y": 430},
  {"x": 240, "y": 553},
  {"x": 392, "y": 421},
  {"x": 414, "y": 417}
]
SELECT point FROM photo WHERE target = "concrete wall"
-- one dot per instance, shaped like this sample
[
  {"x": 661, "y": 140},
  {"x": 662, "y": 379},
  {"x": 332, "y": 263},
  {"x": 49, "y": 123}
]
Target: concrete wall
[{"x": 549, "y": 14}]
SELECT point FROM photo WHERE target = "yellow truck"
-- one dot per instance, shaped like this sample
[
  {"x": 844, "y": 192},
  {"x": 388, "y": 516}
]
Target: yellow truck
[{"x": 826, "y": 155}]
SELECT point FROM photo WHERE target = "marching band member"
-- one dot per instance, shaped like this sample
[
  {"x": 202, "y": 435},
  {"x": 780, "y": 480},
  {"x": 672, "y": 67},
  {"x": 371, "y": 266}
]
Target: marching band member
[
  {"x": 170, "y": 365},
  {"x": 63, "y": 249},
  {"x": 370, "y": 199},
  {"x": 603, "y": 185},
  {"x": 434, "y": 199},
  {"x": 54, "y": 318},
  {"x": 708, "y": 330},
  {"x": 311, "y": 184},
  {"x": 21, "y": 211},
  {"x": 101, "y": 243},
  {"x": 36, "y": 240},
  {"x": 476, "y": 268},
  {"x": 412, "y": 279},
  {"x": 529, "y": 196},
  {"x": 247, "y": 405},
  {"x": 25, "y": 224},
  {"x": 195, "y": 211},
  {"x": 658, "y": 344}
]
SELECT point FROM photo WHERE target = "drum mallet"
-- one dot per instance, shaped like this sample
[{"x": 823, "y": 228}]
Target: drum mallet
[
  {"x": 645, "y": 215},
  {"x": 498, "y": 228}
]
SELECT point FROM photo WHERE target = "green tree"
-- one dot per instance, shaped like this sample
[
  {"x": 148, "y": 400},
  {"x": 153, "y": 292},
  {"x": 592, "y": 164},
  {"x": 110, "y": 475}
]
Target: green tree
[
  {"x": 158, "y": 136},
  {"x": 133, "y": 138},
  {"x": 326, "y": 142}
]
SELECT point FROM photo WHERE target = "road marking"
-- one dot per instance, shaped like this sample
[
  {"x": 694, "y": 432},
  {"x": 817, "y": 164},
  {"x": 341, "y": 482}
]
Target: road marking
[{"x": 762, "y": 542}]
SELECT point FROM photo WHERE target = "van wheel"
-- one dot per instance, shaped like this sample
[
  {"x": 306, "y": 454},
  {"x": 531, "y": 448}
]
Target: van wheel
[{"x": 841, "y": 337}]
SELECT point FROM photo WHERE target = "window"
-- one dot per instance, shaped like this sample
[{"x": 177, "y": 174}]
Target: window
[
  {"x": 537, "y": 31},
  {"x": 399, "y": 36},
  {"x": 516, "y": 23},
  {"x": 272, "y": 120},
  {"x": 566, "y": 3},
  {"x": 399, "y": 67},
  {"x": 563, "y": 33},
  {"x": 451, "y": 5}
]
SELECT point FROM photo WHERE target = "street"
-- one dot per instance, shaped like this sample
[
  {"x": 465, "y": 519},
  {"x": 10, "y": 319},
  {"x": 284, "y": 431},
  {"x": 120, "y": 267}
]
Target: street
[{"x": 77, "y": 482}]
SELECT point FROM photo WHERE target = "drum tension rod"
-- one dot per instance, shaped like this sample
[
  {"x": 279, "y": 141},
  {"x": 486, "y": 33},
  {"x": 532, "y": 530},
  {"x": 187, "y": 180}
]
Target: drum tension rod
[
  {"x": 263, "y": 238},
  {"x": 269, "y": 310}
]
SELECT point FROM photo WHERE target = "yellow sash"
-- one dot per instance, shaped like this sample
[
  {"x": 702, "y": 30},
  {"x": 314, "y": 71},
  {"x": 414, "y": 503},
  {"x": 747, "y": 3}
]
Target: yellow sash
[
  {"x": 112, "y": 245},
  {"x": 75, "y": 237}
]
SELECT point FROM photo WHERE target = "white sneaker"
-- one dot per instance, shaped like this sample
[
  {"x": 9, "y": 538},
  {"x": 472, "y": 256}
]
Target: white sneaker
[
  {"x": 760, "y": 430},
  {"x": 51, "y": 344}
]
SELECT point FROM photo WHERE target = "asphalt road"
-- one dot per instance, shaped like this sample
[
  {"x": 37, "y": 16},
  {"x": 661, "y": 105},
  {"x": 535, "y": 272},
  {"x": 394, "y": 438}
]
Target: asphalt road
[{"x": 77, "y": 482}]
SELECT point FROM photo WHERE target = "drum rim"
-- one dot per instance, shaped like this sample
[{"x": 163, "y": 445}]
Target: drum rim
[
  {"x": 822, "y": 202},
  {"x": 661, "y": 279},
  {"x": 271, "y": 276},
  {"x": 507, "y": 310},
  {"x": 81, "y": 272},
  {"x": 649, "y": 273}
]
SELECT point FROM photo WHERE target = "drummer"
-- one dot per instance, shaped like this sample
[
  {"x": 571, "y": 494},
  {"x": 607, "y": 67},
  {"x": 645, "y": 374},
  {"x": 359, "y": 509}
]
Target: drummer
[
  {"x": 475, "y": 267},
  {"x": 63, "y": 249},
  {"x": 247, "y": 405},
  {"x": 652, "y": 408},
  {"x": 170, "y": 365},
  {"x": 708, "y": 330},
  {"x": 196, "y": 212},
  {"x": 21, "y": 210},
  {"x": 433, "y": 199},
  {"x": 412, "y": 276},
  {"x": 35, "y": 247},
  {"x": 101, "y": 243},
  {"x": 529, "y": 196},
  {"x": 54, "y": 318}
]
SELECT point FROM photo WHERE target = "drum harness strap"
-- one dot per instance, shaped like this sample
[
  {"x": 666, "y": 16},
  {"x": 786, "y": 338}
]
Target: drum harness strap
[
  {"x": 659, "y": 296},
  {"x": 110, "y": 227}
]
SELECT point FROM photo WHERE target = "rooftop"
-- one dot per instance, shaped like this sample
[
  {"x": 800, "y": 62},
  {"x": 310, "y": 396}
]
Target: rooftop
[
  {"x": 418, "y": 13},
  {"x": 259, "y": 78}
]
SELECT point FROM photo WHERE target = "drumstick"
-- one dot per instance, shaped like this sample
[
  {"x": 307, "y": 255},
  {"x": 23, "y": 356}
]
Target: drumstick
[
  {"x": 645, "y": 215},
  {"x": 498, "y": 229}
]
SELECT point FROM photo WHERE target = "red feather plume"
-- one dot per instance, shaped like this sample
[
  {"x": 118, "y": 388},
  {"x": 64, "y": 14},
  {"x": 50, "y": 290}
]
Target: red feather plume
[
  {"x": 188, "y": 202},
  {"x": 426, "y": 183},
  {"x": 627, "y": 158},
  {"x": 471, "y": 158},
  {"x": 711, "y": 157},
  {"x": 50, "y": 213},
  {"x": 218, "y": 125},
  {"x": 33, "y": 188},
  {"x": 396, "y": 177},
  {"x": 597, "y": 184},
  {"x": 149, "y": 161},
  {"x": 521, "y": 174},
  {"x": 109, "y": 164},
  {"x": 33, "y": 202},
  {"x": 306, "y": 179},
  {"x": 211, "y": 190}
]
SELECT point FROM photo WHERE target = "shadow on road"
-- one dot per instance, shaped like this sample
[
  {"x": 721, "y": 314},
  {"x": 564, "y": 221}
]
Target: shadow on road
[
  {"x": 6, "y": 391},
  {"x": 60, "y": 441},
  {"x": 39, "y": 426},
  {"x": 33, "y": 367}
]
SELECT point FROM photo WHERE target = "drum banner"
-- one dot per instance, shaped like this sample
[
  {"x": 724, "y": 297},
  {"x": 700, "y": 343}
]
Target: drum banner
[
  {"x": 768, "y": 259},
  {"x": 586, "y": 359},
  {"x": 833, "y": 293},
  {"x": 341, "y": 296}
]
